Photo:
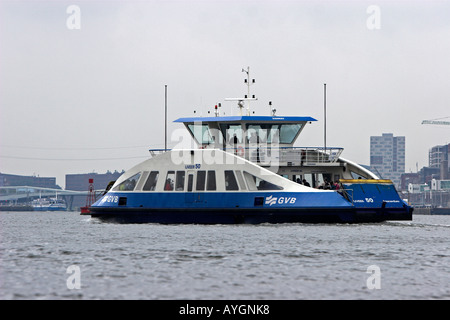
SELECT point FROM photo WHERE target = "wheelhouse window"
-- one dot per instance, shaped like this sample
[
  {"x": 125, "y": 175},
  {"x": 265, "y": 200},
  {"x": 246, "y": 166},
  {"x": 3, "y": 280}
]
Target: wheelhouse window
[
  {"x": 150, "y": 184},
  {"x": 255, "y": 183},
  {"x": 129, "y": 184},
  {"x": 201, "y": 133},
  {"x": 258, "y": 133},
  {"x": 288, "y": 132},
  {"x": 272, "y": 132},
  {"x": 230, "y": 180},
  {"x": 232, "y": 133}
]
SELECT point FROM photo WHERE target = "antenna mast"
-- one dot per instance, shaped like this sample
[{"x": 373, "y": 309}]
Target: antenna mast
[
  {"x": 247, "y": 97},
  {"x": 165, "y": 118},
  {"x": 247, "y": 82},
  {"x": 325, "y": 116}
]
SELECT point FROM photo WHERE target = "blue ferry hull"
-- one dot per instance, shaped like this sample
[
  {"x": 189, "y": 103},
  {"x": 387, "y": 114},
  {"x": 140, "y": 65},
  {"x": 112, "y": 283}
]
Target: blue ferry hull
[{"x": 233, "y": 208}]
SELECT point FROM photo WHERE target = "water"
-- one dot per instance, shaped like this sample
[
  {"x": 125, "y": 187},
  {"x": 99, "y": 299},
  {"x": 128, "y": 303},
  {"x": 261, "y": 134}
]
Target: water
[{"x": 289, "y": 261}]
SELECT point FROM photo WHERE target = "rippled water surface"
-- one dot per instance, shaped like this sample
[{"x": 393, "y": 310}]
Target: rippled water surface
[{"x": 286, "y": 261}]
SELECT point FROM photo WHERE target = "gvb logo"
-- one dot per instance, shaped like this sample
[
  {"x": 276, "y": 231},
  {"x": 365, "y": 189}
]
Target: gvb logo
[
  {"x": 271, "y": 200},
  {"x": 281, "y": 200}
]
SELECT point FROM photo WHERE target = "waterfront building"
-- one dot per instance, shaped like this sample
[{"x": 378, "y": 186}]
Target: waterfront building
[
  {"x": 437, "y": 155},
  {"x": 80, "y": 182},
  {"x": 410, "y": 178},
  {"x": 13, "y": 180},
  {"x": 441, "y": 185}
]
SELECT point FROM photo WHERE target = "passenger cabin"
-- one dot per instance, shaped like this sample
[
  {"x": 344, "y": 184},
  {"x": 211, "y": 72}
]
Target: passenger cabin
[
  {"x": 269, "y": 142},
  {"x": 199, "y": 171}
]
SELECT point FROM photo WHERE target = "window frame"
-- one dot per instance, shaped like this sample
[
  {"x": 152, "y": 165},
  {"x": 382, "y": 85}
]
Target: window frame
[
  {"x": 211, "y": 184},
  {"x": 134, "y": 178},
  {"x": 151, "y": 187},
  {"x": 230, "y": 177}
]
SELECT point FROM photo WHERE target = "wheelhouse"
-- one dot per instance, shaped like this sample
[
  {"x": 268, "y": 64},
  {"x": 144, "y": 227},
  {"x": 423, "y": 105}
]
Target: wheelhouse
[
  {"x": 269, "y": 142},
  {"x": 229, "y": 132}
]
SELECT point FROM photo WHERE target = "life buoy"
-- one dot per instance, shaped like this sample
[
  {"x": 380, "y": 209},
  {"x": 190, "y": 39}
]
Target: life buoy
[{"x": 240, "y": 151}]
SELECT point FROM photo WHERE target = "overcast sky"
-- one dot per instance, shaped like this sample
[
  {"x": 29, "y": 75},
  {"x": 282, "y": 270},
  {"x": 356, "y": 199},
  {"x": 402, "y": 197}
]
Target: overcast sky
[{"x": 83, "y": 93}]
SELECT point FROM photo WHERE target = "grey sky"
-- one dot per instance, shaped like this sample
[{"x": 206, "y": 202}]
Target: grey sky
[{"x": 98, "y": 92}]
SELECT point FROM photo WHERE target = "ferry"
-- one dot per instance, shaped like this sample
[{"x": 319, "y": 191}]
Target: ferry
[
  {"x": 49, "y": 204},
  {"x": 246, "y": 169}
]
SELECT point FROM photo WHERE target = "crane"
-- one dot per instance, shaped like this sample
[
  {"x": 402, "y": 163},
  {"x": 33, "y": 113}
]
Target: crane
[{"x": 437, "y": 121}]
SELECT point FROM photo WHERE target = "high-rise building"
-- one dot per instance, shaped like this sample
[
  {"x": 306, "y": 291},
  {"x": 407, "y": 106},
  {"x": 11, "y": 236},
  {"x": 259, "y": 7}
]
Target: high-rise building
[
  {"x": 437, "y": 154},
  {"x": 438, "y": 157},
  {"x": 387, "y": 156}
]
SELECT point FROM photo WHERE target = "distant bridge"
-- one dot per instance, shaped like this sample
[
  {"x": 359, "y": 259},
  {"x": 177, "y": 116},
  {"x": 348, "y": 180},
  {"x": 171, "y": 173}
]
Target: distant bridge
[{"x": 27, "y": 194}]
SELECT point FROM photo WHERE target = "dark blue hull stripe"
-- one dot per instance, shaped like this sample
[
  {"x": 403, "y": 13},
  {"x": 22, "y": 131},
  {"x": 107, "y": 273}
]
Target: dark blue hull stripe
[{"x": 251, "y": 216}]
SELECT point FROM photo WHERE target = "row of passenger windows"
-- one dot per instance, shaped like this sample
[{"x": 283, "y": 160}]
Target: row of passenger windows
[{"x": 206, "y": 181}]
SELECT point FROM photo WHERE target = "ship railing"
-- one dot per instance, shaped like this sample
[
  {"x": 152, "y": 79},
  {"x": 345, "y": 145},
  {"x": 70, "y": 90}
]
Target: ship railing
[
  {"x": 346, "y": 193},
  {"x": 290, "y": 156}
]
